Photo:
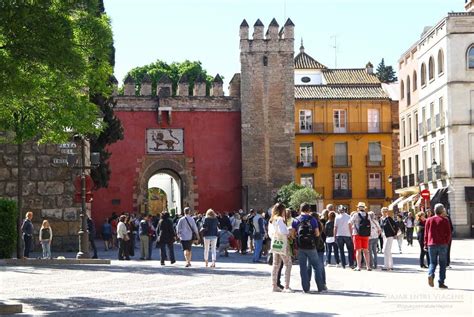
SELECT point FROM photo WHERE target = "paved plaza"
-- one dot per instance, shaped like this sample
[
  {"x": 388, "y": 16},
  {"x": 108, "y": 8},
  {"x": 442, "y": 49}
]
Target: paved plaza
[{"x": 236, "y": 287}]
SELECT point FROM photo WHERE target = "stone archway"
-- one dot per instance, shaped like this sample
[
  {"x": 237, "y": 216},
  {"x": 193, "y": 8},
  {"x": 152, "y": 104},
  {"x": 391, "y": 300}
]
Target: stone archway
[{"x": 181, "y": 167}]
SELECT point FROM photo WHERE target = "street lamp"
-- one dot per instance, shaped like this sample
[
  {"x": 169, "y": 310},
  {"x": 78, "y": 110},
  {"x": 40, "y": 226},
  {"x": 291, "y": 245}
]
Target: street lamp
[
  {"x": 390, "y": 179},
  {"x": 433, "y": 169}
]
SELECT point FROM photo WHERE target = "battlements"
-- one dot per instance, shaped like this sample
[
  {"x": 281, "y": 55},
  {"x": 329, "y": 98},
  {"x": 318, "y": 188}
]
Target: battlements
[{"x": 274, "y": 40}]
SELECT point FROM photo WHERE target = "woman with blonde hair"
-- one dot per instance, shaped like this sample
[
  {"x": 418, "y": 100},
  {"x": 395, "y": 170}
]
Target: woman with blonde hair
[
  {"x": 278, "y": 232},
  {"x": 209, "y": 232},
  {"x": 45, "y": 238}
]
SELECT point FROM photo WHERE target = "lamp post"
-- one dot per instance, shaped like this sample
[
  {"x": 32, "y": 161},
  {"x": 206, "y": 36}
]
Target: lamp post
[
  {"x": 83, "y": 240},
  {"x": 433, "y": 169}
]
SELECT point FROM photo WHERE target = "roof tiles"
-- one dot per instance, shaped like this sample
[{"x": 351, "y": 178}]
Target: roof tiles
[{"x": 339, "y": 92}]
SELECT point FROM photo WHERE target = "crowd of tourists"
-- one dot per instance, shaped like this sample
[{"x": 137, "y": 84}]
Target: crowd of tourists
[{"x": 281, "y": 236}]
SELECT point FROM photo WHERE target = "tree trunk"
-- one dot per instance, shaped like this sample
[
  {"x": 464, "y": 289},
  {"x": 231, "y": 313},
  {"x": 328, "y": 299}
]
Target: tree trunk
[{"x": 19, "y": 249}]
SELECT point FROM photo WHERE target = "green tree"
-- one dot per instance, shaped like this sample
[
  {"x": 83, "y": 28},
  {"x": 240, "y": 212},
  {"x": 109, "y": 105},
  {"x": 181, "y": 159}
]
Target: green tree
[
  {"x": 304, "y": 195},
  {"x": 385, "y": 74},
  {"x": 174, "y": 71},
  {"x": 286, "y": 192},
  {"x": 53, "y": 57}
]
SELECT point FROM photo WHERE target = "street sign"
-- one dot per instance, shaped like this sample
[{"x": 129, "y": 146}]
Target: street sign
[
  {"x": 60, "y": 161},
  {"x": 67, "y": 151},
  {"x": 425, "y": 193},
  {"x": 69, "y": 145}
]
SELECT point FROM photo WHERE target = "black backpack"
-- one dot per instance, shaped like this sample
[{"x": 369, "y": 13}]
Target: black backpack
[
  {"x": 144, "y": 228},
  {"x": 364, "y": 226},
  {"x": 305, "y": 238}
]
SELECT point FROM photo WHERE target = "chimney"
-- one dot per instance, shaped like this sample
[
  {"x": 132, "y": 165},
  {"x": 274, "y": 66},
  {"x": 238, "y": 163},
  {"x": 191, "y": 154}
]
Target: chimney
[
  {"x": 129, "y": 86},
  {"x": 369, "y": 68},
  {"x": 217, "y": 90},
  {"x": 183, "y": 86},
  {"x": 258, "y": 30},
  {"x": 199, "y": 86},
  {"x": 164, "y": 86},
  {"x": 145, "y": 89}
]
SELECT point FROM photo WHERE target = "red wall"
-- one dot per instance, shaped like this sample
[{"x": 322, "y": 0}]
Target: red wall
[{"x": 211, "y": 138}]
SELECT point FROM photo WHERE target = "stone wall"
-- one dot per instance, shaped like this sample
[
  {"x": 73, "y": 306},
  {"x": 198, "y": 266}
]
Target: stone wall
[{"x": 47, "y": 191}]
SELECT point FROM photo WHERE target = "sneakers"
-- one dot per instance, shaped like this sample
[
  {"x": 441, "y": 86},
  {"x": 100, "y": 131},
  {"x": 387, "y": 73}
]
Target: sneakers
[
  {"x": 356, "y": 269},
  {"x": 430, "y": 281},
  {"x": 442, "y": 285},
  {"x": 276, "y": 289},
  {"x": 287, "y": 290}
]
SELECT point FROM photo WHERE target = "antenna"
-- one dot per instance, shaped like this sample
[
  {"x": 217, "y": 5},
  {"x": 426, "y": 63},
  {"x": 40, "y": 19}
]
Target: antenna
[
  {"x": 334, "y": 46},
  {"x": 284, "y": 10}
]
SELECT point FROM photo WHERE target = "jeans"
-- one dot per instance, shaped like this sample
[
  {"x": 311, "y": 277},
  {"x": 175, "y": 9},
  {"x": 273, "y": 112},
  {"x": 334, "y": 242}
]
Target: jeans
[
  {"x": 27, "y": 239},
  {"x": 245, "y": 239},
  {"x": 438, "y": 253},
  {"x": 423, "y": 253},
  {"x": 93, "y": 246},
  {"x": 144, "y": 247},
  {"x": 311, "y": 257},
  {"x": 410, "y": 236},
  {"x": 258, "y": 249},
  {"x": 387, "y": 253},
  {"x": 170, "y": 247},
  {"x": 211, "y": 242},
  {"x": 400, "y": 242},
  {"x": 329, "y": 248},
  {"x": 373, "y": 252},
  {"x": 46, "y": 249},
  {"x": 323, "y": 270},
  {"x": 350, "y": 250}
]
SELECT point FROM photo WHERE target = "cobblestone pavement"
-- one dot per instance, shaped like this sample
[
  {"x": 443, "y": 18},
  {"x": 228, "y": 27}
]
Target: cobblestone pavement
[{"x": 237, "y": 287}]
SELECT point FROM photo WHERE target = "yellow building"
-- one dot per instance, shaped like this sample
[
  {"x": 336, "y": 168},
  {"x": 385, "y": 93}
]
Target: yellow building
[{"x": 346, "y": 134}]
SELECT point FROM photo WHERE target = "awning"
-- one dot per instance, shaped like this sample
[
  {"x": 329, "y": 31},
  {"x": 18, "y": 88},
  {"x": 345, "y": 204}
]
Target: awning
[
  {"x": 405, "y": 201},
  {"x": 390, "y": 207},
  {"x": 440, "y": 197}
]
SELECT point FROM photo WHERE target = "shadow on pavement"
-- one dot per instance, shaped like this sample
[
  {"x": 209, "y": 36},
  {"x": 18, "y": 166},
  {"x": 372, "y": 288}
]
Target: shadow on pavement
[{"x": 87, "y": 306}]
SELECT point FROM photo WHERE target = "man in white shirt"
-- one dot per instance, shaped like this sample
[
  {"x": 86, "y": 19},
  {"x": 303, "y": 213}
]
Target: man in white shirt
[
  {"x": 342, "y": 232},
  {"x": 185, "y": 228}
]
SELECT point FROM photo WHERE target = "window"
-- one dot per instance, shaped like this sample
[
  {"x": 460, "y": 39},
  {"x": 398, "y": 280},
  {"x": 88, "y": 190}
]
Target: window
[
  {"x": 441, "y": 111},
  {"x": 341, "y": 181},
  {"x": 373, "y": 119},
  {"x": 403, "y": 132},
  {"x": 340, "y": 154},
  {"x": 470, "y": 57},
  {"x": 414, "y": 80},
  {"x": 409, "y": 131},
  {"x": 440, "y": 62},
  {"x": 408, "y": 91},
  {"x": 340, "y": 120},
  {"x": 441, "y": 154},
  {"x": 423, "y": 74},
  {"x": 433, "y": 152},
  {"x": 375, "y": 152},
  {"x": 306, "y": 121},
  {"x": 402, "y": 90},
  {"x": 410, "y": 169},
  {"x": 431, "y": 68},
  {"x": 306, "y": 154},
  {"x": 265, "y": 61},
  {"x": 431, "y": 121},
  {"x": 307, "y": 180},
  {"x": 375, "y": 180},
  {"x": 417, "y": 167},
  {"x": 305, "y": 79},
  {"x": 416, "y": 127},
  {"x": 425, "y": 158},
  {"x": 404, "y": 172}
]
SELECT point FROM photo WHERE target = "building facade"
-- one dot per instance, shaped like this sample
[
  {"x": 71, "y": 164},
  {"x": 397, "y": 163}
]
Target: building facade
[
  {"x": 442, "y": 116},
  {"x": 344, "y": 134}
]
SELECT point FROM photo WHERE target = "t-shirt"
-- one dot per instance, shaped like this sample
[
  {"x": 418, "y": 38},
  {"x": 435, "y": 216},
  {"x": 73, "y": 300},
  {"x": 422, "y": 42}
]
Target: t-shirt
[
  {"x": 342, "y": 224},
  {"x": 355, "y": 221},
  {"x": 303, "y": 217}
]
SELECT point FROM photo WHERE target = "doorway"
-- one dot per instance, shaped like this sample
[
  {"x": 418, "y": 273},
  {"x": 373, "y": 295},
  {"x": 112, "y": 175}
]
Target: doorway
[{"x": 164, "y": 193}]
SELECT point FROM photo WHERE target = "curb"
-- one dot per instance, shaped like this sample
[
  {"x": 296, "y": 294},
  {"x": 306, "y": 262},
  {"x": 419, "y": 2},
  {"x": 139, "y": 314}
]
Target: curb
[
  {"x": 7, "y": 309},
  {"x": 41, "y": 262}
]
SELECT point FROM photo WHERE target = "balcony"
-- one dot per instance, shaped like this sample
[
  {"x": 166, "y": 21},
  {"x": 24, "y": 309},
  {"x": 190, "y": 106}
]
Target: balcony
[
  {"x": 404, "y": 181},
  {"x": 438, "y": 121},
  {"x": 307, "y": 162},
  {"x": 349, "y": 127},
  {"x": 397, "y": 183},
  {"x": 411, "y": 180},
  {"x": 373, "y": 163},
  {"x": 428, "y": 126},
  {"x": 342, "y": 161},
  {"x": 429, "y": 173},
  {"x": 376, "y": 193},
  {"x": 341, "y": 193},
  {"x": 421, "y": 177}
]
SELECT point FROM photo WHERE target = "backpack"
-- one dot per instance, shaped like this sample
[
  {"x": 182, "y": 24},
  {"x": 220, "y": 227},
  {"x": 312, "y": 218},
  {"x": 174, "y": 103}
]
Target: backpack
[
  {"x": 144, "y": 228},
  {"x": 364, "y": 226},
  {"x": 305, "y": 238}
]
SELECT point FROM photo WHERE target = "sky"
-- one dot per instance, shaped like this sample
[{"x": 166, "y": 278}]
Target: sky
[{"x": 208, "y": 30}]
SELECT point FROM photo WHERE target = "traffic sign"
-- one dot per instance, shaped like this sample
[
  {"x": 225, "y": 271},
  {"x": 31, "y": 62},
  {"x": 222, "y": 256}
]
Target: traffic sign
[
  {"x": 425, "y": 193},
  {"x": 59, "y": 161}
]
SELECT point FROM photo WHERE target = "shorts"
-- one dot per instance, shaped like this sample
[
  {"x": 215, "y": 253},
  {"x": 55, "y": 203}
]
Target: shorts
[
  {"x": 187, "y": 245},
  {"x": 361, "y": 242}
]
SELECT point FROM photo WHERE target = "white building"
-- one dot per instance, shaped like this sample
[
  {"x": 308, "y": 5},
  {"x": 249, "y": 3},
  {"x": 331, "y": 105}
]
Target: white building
[{"x": 436, "y": 118}]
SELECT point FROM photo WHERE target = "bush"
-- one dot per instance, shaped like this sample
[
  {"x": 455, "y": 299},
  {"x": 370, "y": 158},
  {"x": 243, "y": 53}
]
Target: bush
[
  {"x": 304, "y": 195},
  {"x": 8, "y": 233},
  {"x": 286, "y": 192}
]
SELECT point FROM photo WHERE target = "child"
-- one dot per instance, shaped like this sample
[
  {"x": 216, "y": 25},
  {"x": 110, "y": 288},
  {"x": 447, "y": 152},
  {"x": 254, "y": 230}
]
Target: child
[
  {"x": 224, "y": 241},
  {"x": 45, "y": 237}
]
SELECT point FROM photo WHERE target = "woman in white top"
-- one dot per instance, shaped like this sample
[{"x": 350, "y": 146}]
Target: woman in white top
[
  {"x": 278, "y": 233},
  {"x": 236, "y": 230},
  {"x": 375, "y": 231},
  {"x": 46, "y": 237}
]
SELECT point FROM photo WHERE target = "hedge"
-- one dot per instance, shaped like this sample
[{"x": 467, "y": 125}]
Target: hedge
[{"x": 8, "y": 214}]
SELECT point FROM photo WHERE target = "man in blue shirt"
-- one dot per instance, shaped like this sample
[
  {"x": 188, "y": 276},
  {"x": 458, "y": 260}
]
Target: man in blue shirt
[{"x": 305, "y": 229}]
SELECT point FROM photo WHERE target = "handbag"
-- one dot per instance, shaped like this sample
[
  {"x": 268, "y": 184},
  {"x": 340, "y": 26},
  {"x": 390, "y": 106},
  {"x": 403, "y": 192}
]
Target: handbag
[
  {"x": 279, "y": 245},
  {"x": 194, "y": 236}
]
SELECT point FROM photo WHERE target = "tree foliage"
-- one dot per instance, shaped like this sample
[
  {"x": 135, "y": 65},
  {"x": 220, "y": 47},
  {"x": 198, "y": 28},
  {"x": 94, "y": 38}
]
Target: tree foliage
[
  {"x": 174, "y": 71},
  {"x": 303, "y": 195},
  {"x": 385, "y": 74},
  {"x": 286, "y": 192},
  {"x": 8, "y": 234},
  {"x": 53, "y": 56}
]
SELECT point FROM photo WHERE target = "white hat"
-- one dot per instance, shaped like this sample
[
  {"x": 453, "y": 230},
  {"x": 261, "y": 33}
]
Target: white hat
[{"x": 361, "y": 204}]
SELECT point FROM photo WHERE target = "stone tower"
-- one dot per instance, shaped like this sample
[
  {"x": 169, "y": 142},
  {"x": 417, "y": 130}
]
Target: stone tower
[{"x": 267, "y": 99}]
